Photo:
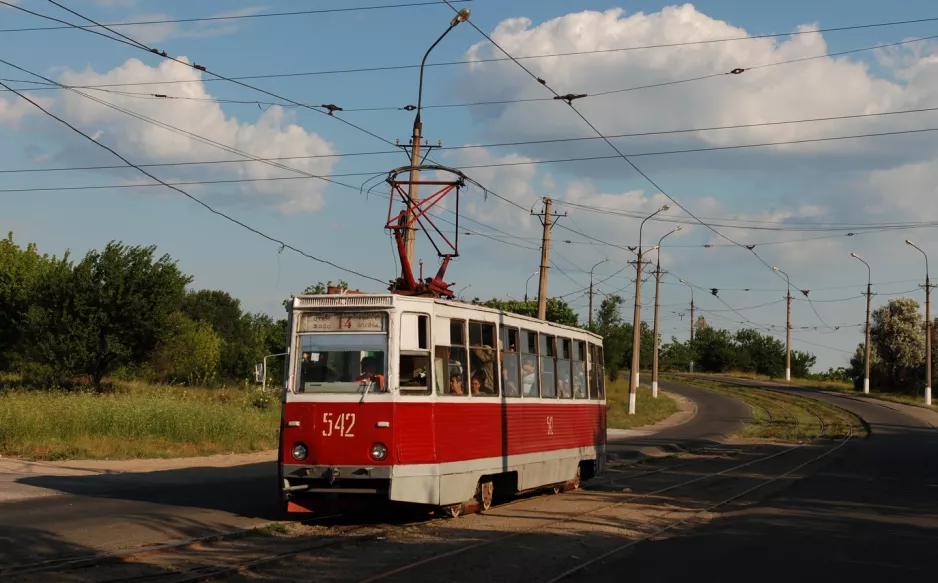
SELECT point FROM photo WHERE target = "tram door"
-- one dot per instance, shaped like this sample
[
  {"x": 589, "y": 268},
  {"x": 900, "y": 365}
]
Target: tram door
[{"x": 414, "y": 416}]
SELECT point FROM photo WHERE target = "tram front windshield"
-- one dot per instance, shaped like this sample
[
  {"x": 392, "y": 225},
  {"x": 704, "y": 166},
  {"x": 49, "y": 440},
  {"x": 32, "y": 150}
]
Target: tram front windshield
[{"x": 341, "y": 363}]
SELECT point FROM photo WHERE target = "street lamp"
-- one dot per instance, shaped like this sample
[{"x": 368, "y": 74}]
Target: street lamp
[
  {"x": 591, "y": 289},
  {"x": 654, "y": 360},
  {"x": 526, "y": 285},
  {"x": 927, "y": 326},
  {"x": 637, "y": 320},
  {"x": 869, "y": 284},
  {"x": 787, "y": 326},
  {"x": 412, "y": 192},
  {"x": 462, "y": 290}
]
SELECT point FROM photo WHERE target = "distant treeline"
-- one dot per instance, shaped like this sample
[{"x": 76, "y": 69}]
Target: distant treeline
[{"x": 123, "y": 312}]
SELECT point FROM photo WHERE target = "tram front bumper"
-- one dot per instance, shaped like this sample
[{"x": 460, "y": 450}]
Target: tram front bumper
[{"x": 319, "y": 479}]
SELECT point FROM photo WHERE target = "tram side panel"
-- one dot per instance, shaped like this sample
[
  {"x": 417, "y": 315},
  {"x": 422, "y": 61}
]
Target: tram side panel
[{"x": 543, "y": 443}]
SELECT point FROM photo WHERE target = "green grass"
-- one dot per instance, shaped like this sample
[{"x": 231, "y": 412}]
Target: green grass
[
  {"x": 135, "y": 420},
  {"x": 845, "y": 388},
  {"x": 782, "y": 417},
  {"x": 647, "y": 409}
]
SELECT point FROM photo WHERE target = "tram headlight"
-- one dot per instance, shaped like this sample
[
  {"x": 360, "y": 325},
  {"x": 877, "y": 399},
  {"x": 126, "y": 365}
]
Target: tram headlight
[
  {"x": 379, "y": 451},
  {"x": 299, "y": 452}
]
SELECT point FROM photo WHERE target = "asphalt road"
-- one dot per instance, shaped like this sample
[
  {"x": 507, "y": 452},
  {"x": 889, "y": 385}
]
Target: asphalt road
[
  {"x": 112, "y": 512},
  {"x": 869, "y": 515}
]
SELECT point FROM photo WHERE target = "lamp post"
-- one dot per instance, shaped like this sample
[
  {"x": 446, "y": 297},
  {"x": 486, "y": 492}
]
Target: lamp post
[
  {"x": 787, "y": 327},
  {"x": 654, "y": 360},
  {"x": 591, "y": 289},
  {"x": 637, "y": 319},
  {"x": 927, "y": 326},
  {"x": 526, "y": 285},
  {"x": 412, "y": 193},
  {"x": 462, "y": 290},
  {"x": 869, "y": 284}
]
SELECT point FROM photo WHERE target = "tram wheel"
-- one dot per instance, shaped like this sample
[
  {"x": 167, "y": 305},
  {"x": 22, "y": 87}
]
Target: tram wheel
[
  {"x": 485, "y": 493},
  {"x": 453, "y": 511},
  {"x": 576, "y": 478}
]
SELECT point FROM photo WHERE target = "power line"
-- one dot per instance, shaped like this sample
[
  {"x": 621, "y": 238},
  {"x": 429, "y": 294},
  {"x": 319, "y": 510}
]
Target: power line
[
  {"x": 537, "y": 142},
  {"x": 231, "y": 17},
  {"x": 528, "y": 57},
  {"x": 282, "y": 244}
]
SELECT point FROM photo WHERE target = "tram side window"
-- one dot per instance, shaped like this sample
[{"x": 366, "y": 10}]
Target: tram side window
[
  {"x": 602, "y": 372},
  {"x": 451, "y": 363},
  {"x": 483, "y": 363},
  {"x": 579, "y": 369},
  {"x": 597, "y": 372},
  {"x": 510, "y": 363},
  {"x": 563, "y": 368},
  {"x": 414, "y": 369},
  {"x": 548, "y": 367},
  {"x": 529, "y": 385}
]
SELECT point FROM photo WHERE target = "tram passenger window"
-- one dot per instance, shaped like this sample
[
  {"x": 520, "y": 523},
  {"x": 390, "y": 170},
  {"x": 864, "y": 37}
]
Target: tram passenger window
[
  {"x": 579, "y": 370},
  {"x": 415, "y": 374},
  {"x": 529, "y": 381},
  {"x": 457, "y": 332},
  {"x": 564, "y": 387},
  {"x": 596, "y": 372},
  {"x": 483, "y": 364},
  {"x": 510, "y": 363},
  {"x": 450, "y": 365},
  {"x": 602, "y": 372},
  {"x": 548, "y": 356}
]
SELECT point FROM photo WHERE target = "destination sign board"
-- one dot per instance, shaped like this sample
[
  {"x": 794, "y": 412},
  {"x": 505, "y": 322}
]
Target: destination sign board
[{"x": 343, "y": 322}]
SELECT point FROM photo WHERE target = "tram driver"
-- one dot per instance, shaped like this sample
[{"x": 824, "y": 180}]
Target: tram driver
[{"x": 370, "y": 373}]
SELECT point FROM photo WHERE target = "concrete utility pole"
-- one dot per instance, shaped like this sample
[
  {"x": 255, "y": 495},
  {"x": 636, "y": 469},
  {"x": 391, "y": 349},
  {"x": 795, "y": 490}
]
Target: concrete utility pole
[
  {"x": 413, "y": 196},
  {"x": 591, "y": 290},
  {"x": 637, "y": 318},
  {"x": 787, "y": 327},
  {"x": 928, "y": 326},
  {"x": 545, "y": 259},
  {"x": 869, "y": 294},
  {"x": 654, "y": 361}
]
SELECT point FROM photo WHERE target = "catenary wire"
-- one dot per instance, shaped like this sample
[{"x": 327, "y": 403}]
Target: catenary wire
[
  {"x": 539, "y": 56},
  {"x": 200, "y": 202},
  {"x": 255, "y": 16}
]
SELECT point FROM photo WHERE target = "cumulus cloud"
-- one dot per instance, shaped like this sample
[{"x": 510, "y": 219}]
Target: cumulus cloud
[
  {"x": 274, "y": 134},
  {"x": 815, "y": 88}
]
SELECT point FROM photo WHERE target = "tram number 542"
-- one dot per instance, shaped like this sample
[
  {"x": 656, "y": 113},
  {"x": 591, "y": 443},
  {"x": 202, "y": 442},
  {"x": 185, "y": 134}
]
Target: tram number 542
[{"x": 340, "y": 424}]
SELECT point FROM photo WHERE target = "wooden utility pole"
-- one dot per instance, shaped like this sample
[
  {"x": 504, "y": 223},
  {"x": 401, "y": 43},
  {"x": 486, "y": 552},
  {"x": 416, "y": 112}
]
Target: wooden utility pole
[{"x": 545, "y": 259}]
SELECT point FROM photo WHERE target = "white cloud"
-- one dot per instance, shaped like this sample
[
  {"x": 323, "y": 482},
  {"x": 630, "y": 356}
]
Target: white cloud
[
  {"x": 814, "y": 88},
  {"x": 14, "y": 109},
  {"x": 273, "y": 135}
]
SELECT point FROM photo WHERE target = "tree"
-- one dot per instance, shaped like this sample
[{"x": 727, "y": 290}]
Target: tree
[
  {"x": 557, "y": 310},
  {"x": 191, "y": 352},
  {"x": 112, "y": 309},
  {"x": 896, "y": 335},
  {"x": 801, "y": 363},
  {"x": 21, "y": 271}
]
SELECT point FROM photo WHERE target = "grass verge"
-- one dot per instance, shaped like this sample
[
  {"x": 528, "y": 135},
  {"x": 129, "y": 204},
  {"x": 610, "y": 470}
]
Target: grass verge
[
  {"x": 648, "y": 410},
  {"x": 135, "y": 420},
  {"x": 782, "y": 417},
  {"x": 845, "y": 388}
]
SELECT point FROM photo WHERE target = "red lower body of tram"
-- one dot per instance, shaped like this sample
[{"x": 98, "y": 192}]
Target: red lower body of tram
[{"x": 445, "y": 453}]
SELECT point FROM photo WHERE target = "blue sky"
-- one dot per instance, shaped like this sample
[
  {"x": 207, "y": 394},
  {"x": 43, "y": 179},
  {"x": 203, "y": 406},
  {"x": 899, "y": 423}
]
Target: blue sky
[{"x": 857, "y": 181}]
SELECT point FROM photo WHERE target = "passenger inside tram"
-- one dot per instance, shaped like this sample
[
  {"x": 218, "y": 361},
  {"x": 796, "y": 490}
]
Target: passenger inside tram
[
  {"x": 455, "y": 384},
  {"x": 529, "y": 375},
  {"x": 479, "y": 388}
]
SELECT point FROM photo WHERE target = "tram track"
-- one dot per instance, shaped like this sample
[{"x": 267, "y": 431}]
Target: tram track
[{"x": 349, "y": 536}]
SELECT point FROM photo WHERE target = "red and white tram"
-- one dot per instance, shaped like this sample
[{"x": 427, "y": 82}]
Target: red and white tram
[{"x": 435, "y": 402}]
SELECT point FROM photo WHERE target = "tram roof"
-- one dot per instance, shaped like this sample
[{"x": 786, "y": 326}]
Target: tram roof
[{"x": 357, "y": 300}]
